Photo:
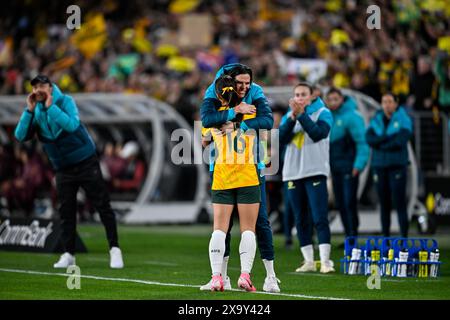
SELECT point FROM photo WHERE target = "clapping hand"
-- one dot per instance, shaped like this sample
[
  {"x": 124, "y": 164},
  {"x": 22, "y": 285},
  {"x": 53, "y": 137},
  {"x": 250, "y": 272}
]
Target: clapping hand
[
  {"x": 227, "y": 127},
  {"x": 297, "y": 107}
]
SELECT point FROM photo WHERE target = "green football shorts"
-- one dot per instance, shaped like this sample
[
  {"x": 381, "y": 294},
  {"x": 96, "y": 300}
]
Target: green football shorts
[{"x": 245, "y": 195}]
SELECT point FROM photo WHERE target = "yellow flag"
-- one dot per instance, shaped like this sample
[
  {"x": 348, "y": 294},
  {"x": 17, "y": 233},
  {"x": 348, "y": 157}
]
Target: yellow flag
[
  {"x": 444, "y": 43},
  {"x": 137, "y": 36},
  {"x": 338, "y": 37},
  {"x": 341, "y": 80},
  {"x": 183, "y": 6},
  {"x": 91, "y": 37},
  {"x": 61, "y": 64},
  {"x": 433, "y": 5},
  {"x": 166, "y": 50},
  {"x": 333, "y": 5},
  {"x": 181, "y": 64}
]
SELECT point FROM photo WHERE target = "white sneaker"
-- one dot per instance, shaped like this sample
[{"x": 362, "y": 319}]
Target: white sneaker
[
  {"x": 226, "y": 285},
  {"x": 271, "y": 284},
  {"x": 327, "y": 267},
  {"x": 65, "y": 260},
  {"x": 308, "y": 266},
  {"x": 116, "y": 258}
]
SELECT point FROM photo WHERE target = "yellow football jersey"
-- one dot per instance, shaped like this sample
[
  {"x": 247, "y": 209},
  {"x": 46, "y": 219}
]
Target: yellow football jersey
[{"x": 235, "y": 163}]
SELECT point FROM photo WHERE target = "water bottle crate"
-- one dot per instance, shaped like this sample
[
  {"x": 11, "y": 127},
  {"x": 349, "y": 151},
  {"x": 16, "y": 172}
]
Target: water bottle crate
[{"x": 391, "y": 256}]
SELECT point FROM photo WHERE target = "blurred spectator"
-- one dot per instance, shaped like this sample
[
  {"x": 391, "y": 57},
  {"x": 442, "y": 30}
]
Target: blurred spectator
[
  {"x": 422, "y": 84},
  {"x": 137, "y": 49},
  {"x": 21, "y": 191},
  {"x": 7, "y": 170},
  {"x": 442, "y": 70},
  {"x": 7, "y": 162},
  {"x": 133, "y": 173},
  {"x": 111, "y": 163}
]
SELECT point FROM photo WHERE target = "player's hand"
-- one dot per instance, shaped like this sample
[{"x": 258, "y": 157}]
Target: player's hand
[
  {"x": 297, "y": 107},
  {"x": 227, "y": 127},
  {"x": 49, "y": 98},
  {"x": 245, "y": 108},
  {"x": 355, "y": 172},
  {"x": 206, "y": 141},
  {"x": 31, "y": 102}
]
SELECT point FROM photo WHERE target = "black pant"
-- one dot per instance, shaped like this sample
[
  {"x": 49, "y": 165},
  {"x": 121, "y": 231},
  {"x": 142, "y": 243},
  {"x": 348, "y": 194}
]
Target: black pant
[
  {"x": 88, "y": 176},
  {"x": 391, "y": 189},
  {"x": 345, "y": 188}
]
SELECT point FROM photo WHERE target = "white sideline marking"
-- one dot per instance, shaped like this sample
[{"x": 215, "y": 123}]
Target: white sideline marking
[{"x": 162, "y": 283}]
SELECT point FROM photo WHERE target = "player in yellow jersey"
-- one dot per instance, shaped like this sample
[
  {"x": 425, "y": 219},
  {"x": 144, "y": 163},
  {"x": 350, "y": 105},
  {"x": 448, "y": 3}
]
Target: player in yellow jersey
[
  {"x": 235, "y": 181},
  {"x": 250, "y": 95}
]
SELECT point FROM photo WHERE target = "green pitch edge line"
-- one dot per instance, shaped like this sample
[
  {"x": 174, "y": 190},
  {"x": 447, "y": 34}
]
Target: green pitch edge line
[{"x": 161, "y": 283}]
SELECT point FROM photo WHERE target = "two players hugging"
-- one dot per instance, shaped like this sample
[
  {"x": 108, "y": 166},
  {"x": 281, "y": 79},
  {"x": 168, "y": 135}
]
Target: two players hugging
[{"x": 225, "y": 88}]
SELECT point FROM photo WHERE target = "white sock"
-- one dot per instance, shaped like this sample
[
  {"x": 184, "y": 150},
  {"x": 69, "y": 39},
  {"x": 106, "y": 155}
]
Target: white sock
[
  {"x": 268, "y": 264},
  {"x": 308, "y": 253},
  {"x": 324, "y": 251},
  {"x": 224, "y": 267},
  {"x": 247, "y": 250},
  {"x": 216, "y": 251}
]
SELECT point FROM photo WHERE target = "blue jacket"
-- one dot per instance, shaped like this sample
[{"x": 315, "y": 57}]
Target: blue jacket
[
  {"x": 65, "y": 140},
  {"x": 348, "y": 147},
  {"x": 211, "y": 117},
  {"x": 389, "y": 142}
]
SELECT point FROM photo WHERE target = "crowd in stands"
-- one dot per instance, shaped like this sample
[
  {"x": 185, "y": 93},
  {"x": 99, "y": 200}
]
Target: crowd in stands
[
  {"x": 139, "y": 48},
  {"x": 26, "y": 177}
]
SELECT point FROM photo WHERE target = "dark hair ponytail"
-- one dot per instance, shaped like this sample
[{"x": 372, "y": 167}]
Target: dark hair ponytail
[{"x": 225, "y": 88}]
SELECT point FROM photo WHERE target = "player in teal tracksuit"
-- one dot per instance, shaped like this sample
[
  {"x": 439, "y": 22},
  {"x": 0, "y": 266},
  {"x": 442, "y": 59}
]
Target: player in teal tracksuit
[
  {"x": 349, "y": 153},
  {"x": 306, "y": 130},
  {"x": 388, "y": 134},
  {"x": 53, "y": 117},
  {"x": 250, "y": 93}
]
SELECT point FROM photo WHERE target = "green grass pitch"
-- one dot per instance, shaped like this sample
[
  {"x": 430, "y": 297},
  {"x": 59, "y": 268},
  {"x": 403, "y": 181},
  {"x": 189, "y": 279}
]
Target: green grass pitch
[{"x": 171, "y": 262}]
